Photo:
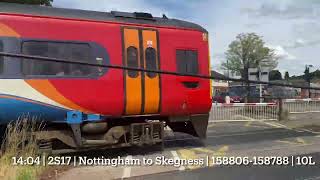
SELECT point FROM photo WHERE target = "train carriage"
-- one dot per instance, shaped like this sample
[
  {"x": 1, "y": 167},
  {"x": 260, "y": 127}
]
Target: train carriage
[{"x": 94, "y": 106}]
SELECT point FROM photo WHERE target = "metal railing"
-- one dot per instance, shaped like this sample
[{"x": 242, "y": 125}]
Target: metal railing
[
  {"x": 244, "y": 112},
  {"x": 301, "y": 105}
]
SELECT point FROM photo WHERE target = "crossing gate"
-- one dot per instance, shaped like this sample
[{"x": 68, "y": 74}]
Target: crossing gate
[
  {"x": 243, "y": 112},
  {"x": 302, "y": 105}
]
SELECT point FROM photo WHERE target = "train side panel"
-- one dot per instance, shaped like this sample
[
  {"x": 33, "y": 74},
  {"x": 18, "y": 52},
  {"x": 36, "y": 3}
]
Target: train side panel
[
  {"x": 178, "y": 99},
  {"x": 111, "y": 105},
  {"x": 77, "y": 93}
]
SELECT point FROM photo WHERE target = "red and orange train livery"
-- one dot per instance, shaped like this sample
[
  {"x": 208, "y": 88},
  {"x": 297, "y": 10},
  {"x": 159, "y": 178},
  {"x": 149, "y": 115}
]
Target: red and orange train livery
[{"x": 85, "y": 106}]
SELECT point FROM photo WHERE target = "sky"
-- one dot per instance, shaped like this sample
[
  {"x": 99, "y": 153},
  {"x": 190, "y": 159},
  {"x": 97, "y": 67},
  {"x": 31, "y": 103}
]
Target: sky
[{"x": 290, "y": 27}]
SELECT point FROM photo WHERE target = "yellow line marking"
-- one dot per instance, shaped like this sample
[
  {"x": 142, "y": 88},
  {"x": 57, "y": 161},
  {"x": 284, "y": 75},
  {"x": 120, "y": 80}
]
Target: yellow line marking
[
  {"x": 204, "y": 150},
  {"x": 211, "y": 125},
  {"x": 302, "y": 141},
  {"x": 287, "y": 142},
  {"x": 189, "y": 154},
  {"x": 274, "y": 124},
  {"x": 219, "y": 153},
  {"x": 223, "y": 149},
  {"x": 197, "y": 153},
  {"x": 297, "y": 141},
  {"x": 314, "y": 132},
  {"x": 248, "y": 123}
]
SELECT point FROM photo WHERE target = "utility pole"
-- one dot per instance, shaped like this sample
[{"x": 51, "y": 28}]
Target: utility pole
[
  {"x": 228, "y": 73},
  {"x": 260, "y": 85},
  {"x": 307, "y": 77}
]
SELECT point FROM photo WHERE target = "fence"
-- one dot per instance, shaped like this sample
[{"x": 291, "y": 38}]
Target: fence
[
  {"x": 301, "y": 105},
  {"x": 244, "y": 112},
  {"x": 262, "y": 111}
]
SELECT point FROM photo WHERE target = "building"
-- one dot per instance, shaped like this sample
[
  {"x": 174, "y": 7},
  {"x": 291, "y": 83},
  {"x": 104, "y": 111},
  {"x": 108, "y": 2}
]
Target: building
[{"x": 219, "y": 85}]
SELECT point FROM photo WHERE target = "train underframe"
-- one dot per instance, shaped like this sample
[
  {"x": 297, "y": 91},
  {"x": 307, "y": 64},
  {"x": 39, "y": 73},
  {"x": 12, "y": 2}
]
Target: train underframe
[{"x": 81, "y": 135}]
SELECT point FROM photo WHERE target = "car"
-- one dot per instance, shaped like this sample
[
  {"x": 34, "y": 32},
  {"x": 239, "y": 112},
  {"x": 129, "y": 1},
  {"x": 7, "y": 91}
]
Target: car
[{"x": 220, "y": 97}]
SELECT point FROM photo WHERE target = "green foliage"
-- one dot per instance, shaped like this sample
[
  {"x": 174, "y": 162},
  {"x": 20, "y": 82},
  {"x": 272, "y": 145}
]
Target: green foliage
[
  {"x": 36, "y": 2},
  {"x": 275, "y": 75},
  {"x": 248, "y": 51},
  {"x": 312, "y": 75},
  {"x": 25, "y": 174},
  {"x": 316, "y": 74}
]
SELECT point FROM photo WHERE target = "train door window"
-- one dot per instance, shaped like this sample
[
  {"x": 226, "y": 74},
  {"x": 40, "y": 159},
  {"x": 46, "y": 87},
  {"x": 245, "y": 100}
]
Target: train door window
[
  {"x": 187, "y": 61},
  {"x": 151, "y": 63},
  {"x": 132, "y": 61},
  {"x": 66, "y": 51},
  {"x": 1, "y": 58}
]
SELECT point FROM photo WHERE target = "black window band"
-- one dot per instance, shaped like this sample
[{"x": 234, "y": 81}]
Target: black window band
[{"x": 62, "y": 50}]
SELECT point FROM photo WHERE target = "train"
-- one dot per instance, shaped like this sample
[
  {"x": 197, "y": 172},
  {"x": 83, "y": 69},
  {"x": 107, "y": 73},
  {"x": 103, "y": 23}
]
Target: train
[{"x": 87, "y": 107}]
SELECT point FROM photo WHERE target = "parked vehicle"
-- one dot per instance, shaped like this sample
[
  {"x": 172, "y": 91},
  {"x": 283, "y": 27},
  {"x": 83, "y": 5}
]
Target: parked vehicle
[{"x": 220, "y": 97}]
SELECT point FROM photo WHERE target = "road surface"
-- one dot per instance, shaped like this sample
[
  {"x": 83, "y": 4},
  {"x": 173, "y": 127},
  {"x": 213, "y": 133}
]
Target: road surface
[{"x": 252, "y": 138}]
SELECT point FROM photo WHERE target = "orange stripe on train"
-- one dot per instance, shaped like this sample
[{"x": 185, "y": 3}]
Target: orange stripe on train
[
  {"x": 47, "y": 89},
  {"x": 7, "y": 31}
]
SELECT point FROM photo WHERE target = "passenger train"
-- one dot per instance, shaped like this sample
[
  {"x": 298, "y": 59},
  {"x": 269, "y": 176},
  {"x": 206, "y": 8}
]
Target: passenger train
[{"x": 86, "y": 107}]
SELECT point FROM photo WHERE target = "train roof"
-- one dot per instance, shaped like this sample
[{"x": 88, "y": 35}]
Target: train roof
[{"x": 113, "y": 16}]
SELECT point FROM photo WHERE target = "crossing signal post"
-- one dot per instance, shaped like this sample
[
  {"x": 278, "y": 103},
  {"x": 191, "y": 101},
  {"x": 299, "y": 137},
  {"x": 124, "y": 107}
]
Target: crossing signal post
[{"x": 259, "y": 74}]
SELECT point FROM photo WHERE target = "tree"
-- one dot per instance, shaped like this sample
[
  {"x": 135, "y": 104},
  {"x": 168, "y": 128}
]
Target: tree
[
  {"x": 275, "y": 75},
  {"x": 286, "y": 75},
  {"x": 248, "y": 51},
  {"x": 36, "y": 2},
  {"x": 316, "y": 74}
]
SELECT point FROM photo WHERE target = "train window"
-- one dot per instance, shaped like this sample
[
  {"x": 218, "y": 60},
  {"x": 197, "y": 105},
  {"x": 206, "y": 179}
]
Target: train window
[
  {"x": 187, "y": 61},
  {"x": 151, "y": 63},
  {"x": 1, "y": 58},
  {"x": 132, "y": 61},
  {"x": 68, "y": 51}
]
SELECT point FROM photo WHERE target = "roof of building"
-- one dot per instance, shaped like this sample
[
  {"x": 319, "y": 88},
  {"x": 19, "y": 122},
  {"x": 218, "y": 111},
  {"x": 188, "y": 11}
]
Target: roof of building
[
  {"x": 113, "y": 16},
  {"x": 218, "y": 75}
]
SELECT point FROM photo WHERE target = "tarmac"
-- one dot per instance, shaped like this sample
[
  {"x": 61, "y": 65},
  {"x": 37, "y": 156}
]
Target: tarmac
[{"x": 300, "y": 138}]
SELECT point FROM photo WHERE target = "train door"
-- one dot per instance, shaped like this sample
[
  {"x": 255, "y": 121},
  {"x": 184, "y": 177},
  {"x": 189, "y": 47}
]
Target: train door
[{"x": 142, "y": 89}]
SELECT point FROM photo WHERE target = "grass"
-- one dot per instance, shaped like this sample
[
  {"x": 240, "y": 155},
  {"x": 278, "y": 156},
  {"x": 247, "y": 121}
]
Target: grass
[{"x": 19, "y": 142}]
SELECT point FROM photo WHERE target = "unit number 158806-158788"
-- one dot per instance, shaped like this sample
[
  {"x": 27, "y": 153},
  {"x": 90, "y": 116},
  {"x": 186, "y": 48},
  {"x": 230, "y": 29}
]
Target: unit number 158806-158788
[{"x": 264, "y": 160}]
